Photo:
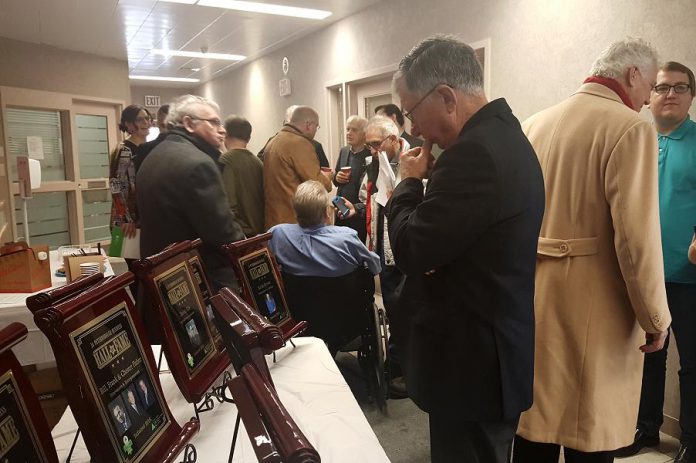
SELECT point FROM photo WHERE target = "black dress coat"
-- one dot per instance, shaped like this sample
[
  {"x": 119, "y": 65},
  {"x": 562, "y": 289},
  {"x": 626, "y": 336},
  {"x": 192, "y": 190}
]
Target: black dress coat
[
  {"x": 469, "y": 326},
  {"x": 181, "y": 197}
]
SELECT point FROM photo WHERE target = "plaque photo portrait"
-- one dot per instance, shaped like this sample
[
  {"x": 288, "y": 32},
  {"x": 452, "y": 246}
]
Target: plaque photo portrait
[
  {"x": 262, "y": 281},
  {"x": 205, "y": 291},
  {"x": 187, "y": 317},
  {"x": 111, "y": 355},
  {"x": 18, "y": 440}
]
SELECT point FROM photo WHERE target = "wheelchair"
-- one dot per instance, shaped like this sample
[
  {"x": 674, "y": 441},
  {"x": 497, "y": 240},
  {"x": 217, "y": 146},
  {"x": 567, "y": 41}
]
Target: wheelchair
[{"x": 339, "y": 310}]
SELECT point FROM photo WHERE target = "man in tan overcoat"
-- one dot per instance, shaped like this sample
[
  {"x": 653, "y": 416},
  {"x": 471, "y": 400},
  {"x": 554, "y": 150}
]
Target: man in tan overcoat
[
  {"x": 599, "y": 280},
  {"x": 290, "y": 159}
]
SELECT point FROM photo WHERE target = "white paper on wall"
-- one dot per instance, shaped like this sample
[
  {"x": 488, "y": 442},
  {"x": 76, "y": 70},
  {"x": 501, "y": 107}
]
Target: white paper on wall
[{"x": 35, "y": 147}]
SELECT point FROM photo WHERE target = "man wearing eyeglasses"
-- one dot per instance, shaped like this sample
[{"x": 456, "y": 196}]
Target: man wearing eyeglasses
[
  {"x": 180, "y": 190},
  {"x": 670, "y": 101},
  {"x": 468, "y": 249},
  {"x": 289, "y": 159}
]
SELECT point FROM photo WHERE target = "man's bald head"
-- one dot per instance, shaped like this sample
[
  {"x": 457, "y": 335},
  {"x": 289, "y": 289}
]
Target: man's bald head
[{"x": 306, "y": 120}]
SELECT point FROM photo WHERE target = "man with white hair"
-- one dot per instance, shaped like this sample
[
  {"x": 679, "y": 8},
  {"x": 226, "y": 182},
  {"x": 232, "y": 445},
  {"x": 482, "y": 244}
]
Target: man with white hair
[
  {"x": 600, "y": 295},
  {"x": 180, "y": 189},
  {"x": 350, "y": 168},
  {"x": 380, "y": 178},
  {"x": 290, "y": 159}
]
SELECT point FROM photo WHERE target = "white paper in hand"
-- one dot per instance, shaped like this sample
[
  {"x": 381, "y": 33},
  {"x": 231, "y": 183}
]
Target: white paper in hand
[
  {"x": 131, "y": 246},
  {"x": 386, "y": 180}
]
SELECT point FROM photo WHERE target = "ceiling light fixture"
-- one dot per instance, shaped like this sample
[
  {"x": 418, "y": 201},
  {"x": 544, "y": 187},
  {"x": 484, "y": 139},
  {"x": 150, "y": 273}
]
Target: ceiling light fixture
[
  {"x": 168, "y": 79},
  {"x": 267, "y": 8},
  {"x": 198, "y": 54}
]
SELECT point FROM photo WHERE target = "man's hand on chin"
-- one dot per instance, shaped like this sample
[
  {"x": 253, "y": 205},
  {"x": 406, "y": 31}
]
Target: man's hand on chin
[{"x": 418, "y": 162}]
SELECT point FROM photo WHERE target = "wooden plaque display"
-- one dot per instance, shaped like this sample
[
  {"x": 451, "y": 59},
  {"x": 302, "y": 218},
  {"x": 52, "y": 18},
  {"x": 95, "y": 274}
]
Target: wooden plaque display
[
  {"x": 109, "y": 374},
  {"x": 270, "y": 336},
  {"x": 273, "y": 433},
  {"x": 262, "y": 286},
  {"x": 53, "y": 296},
  {"x": 241, "y": 340},
  {"x": 24, "y": 434},
  {"x": 174, "y": 280}
]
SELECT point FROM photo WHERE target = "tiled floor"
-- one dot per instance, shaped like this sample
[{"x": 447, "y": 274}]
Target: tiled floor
[{"x": 664, "y": 453}]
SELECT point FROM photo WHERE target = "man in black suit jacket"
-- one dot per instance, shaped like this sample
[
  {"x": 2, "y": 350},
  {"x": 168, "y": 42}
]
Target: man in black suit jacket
[
  {"x": 180, "y": 191},
  {"x": 468, "y": 248}
]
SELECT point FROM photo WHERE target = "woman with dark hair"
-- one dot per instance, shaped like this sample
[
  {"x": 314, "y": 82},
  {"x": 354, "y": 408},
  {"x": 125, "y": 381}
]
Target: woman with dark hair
[{"x": 135, "y": 122}]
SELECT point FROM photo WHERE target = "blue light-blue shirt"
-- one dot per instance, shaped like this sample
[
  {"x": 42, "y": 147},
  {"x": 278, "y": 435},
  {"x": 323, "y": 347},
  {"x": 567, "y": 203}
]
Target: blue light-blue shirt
[
  {"x": 324, "y": 251},
  {"x": 677, "y": 186}
]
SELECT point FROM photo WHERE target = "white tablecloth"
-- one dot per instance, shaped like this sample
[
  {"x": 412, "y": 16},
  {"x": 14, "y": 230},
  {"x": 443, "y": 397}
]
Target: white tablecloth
[
  {"x": 36, "y": 349},
  {"x": 310, "y": 386}
]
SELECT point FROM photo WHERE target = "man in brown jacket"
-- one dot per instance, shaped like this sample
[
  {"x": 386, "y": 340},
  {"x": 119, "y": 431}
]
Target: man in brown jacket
[
  {"x": 290, "y": 159},
  {"x": 599, "y": 277}
]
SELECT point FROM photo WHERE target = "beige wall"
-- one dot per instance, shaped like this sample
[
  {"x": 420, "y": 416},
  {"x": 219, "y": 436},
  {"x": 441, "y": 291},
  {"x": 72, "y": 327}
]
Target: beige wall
[
  {"x": 541, "y": 52},
  {"x": 41, "y": 67},
  {"x": 166, "y": 94}
]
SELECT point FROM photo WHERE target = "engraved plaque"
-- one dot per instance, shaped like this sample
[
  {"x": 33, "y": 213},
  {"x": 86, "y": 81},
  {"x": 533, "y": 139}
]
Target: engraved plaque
[
  {"x": 112, "y": 358},
  {"x": 18, "y": 439},
  {"x": 186, "y": 316},
  {"x": 262, "y": 280}
]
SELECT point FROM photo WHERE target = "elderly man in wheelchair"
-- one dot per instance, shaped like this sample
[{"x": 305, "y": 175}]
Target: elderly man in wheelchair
[{"x": 328, "y": 275}]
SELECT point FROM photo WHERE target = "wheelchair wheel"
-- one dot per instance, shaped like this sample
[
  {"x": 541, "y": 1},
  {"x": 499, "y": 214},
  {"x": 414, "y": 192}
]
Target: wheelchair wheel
[{"x": 380, "y": 377}]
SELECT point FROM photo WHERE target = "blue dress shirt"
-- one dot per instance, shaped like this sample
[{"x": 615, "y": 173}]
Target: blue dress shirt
[{"x": 324, "y": 251}]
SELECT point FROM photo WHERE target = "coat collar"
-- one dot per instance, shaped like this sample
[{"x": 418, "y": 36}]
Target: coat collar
[
  {"x": 202, "y": 145},
  {"x": 292, "y": 129},
  {"x": 492, "y": 109},
  {"x": 600, "y": 91}
]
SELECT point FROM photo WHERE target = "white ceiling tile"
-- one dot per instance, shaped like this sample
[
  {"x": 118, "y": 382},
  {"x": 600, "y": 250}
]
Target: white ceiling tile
[{"x": 129, "y": 29}]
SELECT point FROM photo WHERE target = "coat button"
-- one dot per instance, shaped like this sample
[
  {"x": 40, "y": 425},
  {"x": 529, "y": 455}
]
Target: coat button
[{"x": 563, "y": 247}]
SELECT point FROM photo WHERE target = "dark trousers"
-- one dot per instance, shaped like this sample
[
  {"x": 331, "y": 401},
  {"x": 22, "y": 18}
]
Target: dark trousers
[
  {"x": 453, "y": 440},
  {"x": 681, "y": 299},
  {"x": 391, "y": 281},
  {"x": 525, "y": 451}
]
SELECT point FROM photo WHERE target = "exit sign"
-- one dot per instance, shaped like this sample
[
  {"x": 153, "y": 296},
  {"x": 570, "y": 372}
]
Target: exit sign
[{"x": 152, "y": 100}]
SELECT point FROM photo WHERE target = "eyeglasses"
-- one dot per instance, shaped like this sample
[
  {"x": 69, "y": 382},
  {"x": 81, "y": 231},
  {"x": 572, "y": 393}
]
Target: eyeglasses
[
  {"x": 215, "y": 122},
  {"x": 409, "y": 114},
  {"x": 376, "y": 145},
  {"x": 143, "y": 119},
  {"x": 664, "y": 89}
]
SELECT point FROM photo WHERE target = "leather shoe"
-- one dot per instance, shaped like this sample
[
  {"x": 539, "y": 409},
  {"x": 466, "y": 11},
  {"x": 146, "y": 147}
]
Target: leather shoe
[
  {"x": 685, "y": 455},
  {"x": 640, "y": 440},
  {"x": 397, "y": 388}
]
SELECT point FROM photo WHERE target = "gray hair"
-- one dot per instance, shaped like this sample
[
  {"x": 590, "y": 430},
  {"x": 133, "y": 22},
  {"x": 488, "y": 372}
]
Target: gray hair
[
  {"x": 360, "y": 121},
  {"x": 289, "y": 112},
  {"x": 441, "y": 59},
  {"x": 310, "y": 202},
  {"x": 184, "y": 106},
  {"x": 623, "y": 54},
  {"x": 385, "y": 125}
]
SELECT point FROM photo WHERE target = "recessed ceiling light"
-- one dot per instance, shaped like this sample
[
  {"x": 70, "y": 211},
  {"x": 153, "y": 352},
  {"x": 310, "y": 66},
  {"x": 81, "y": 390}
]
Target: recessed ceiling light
[
  {"x": 198, "y": 54},
  {"x": 168, "y": 79},
  {"x": 267, "y": 8}
]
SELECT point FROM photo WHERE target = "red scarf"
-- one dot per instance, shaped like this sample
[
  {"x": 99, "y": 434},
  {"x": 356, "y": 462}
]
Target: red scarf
[
  {"x": 612, "y": 84},
  {"x": 368, "y": 215}
]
